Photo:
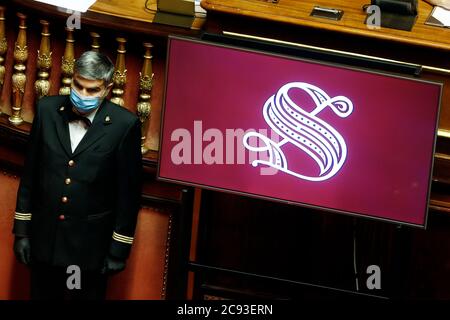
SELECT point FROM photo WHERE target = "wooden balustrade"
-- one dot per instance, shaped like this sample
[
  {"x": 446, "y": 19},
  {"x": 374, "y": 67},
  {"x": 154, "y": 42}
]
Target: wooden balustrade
[
  {"x": 3, "y": 47},
  {"x": 120, "y": 74},
  {"x": 95, "y": 46},
  {"x": 45, "y": 72},
  {"x": 145, "y": 86},
  {"x": 44, "y": 62},
  {"x": 68, "y": 62},
  {"x": 19, "y": 77}
]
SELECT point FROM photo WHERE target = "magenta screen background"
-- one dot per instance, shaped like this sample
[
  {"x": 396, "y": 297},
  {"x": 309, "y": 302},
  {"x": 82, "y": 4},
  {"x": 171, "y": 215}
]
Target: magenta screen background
[{"x": 390, "y": 134}]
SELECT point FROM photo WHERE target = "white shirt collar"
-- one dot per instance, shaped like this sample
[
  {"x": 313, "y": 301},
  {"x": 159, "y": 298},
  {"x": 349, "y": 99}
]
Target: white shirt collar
[{"x": 91, "y": 115}]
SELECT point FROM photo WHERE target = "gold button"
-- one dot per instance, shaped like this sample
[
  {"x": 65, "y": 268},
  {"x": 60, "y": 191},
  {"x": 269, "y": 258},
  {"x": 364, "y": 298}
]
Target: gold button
[
  {"x": 68, "y": 181},
  {"x": 71, "y": 163},
  {"x": 64, "y": 199}
]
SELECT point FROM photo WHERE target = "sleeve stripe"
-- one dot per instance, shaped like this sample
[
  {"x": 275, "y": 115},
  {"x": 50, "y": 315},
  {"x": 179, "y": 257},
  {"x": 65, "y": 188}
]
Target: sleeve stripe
[
  {"x": 23, "y": 219},
  {"x": 122, "y": 238},
  {"x": 123, "y": 241},
  {"x": 22, "y": 216}
]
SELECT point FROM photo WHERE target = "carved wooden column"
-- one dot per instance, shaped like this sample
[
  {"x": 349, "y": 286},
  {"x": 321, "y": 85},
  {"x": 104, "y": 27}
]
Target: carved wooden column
[
  {"x": 95, "y": 46},
  {"x": 3, "y": 47},
  {"x": 68, "y": 63},
  {"x": 19, "y": 77},
  {"x": 120, "y": 74},
  {"x": 145, "y": 87},
  {"x": 44, "y": 63}
]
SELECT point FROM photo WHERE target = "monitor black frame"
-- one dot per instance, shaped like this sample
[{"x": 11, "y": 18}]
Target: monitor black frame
[{"x": 372, "y": 65}]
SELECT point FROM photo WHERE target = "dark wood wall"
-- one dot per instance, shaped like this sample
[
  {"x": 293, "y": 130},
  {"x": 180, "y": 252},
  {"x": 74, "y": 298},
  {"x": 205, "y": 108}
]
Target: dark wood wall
[{"x": 252, "y": 248}]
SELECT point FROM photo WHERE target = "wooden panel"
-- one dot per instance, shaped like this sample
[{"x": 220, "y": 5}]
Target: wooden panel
[
  {"x": 297, "y": 13},
  {"x": 271, "y": 239},
  {"x": 144, "y": 276},
  {"x": 14, "y": 277},
  {"x": 142, "y": 279},
  {"x": 428, "y": 272},
  {"x": 317, "y": 249}
]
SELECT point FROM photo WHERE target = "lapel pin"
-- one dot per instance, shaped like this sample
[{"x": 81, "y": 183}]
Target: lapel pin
[
  {"x": 61, "y": 109},
  {"x": 107, "y": 119}
]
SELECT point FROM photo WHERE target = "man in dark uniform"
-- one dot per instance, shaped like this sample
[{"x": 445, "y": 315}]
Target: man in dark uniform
[{"x": 79, "y": 194}]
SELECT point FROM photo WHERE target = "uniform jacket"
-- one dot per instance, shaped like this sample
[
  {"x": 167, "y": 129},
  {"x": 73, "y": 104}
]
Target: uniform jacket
[{"x": 78, "y": 207}]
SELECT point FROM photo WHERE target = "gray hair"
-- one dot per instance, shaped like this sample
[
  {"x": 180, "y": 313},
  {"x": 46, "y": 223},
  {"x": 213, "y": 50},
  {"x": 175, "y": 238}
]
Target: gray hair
[{"x": 94, "y": 66}]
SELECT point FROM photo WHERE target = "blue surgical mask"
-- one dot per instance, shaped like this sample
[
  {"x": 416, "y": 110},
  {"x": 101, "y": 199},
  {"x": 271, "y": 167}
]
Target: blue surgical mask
[{"x": 84, "y": 104}]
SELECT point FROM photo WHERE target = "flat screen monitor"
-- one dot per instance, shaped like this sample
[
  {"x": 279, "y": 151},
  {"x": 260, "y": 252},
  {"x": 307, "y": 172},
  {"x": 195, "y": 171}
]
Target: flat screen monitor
[{"x": 304, "y": 132}]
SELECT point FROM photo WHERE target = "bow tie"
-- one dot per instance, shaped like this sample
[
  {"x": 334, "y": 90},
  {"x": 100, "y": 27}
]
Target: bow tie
[{"x": 73, "y": 116}]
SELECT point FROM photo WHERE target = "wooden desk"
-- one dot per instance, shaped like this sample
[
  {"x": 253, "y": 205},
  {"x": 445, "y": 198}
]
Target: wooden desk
[
  {"x": 134, "y": 10},
  {"x": 352, "y": 23},
  {"x": 133, "y": 17}
]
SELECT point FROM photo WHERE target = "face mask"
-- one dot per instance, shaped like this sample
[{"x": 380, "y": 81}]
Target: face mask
[{"x": 84, "y": 104}]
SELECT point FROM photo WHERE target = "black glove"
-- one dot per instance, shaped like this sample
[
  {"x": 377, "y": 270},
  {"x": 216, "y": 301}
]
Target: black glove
[
  {"x": 22, "y": 249},
  {"x": 113, "y": 265}
]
